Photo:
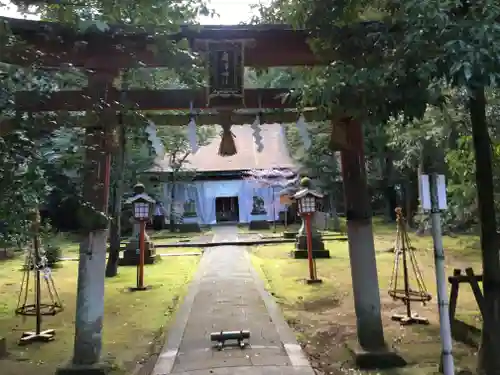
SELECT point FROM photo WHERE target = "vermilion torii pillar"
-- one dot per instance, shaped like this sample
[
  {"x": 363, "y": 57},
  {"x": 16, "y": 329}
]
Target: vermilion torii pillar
[
  {"x": 347, "y": 135},
  {"x": 92, "y": 257}
]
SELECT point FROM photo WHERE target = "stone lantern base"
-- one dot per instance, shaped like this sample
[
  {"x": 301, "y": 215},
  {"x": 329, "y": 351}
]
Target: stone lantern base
[
  {"x": 131, "y": 253},
  {"x": 258, "y": 222},
  {"x": 258, "y": 225},
  {"x": 289, "y": 235},
  {"x": 189, "y": 225},
  {"x": 318, "y": 246}
]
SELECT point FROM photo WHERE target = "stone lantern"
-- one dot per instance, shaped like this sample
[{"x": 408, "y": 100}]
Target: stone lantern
[
  {"x": 142, "y": 210},
  {"x": 306, "y": 199}
]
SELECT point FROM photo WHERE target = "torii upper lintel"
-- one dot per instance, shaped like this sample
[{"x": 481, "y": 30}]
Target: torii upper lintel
[{"x": 123, "y": 46}]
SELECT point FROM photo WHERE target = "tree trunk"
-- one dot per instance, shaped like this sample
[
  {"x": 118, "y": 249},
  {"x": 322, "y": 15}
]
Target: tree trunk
[
  {"x": 115, "y": 229},
  {"x": 488, "y": 358},
  {"x": 361, "y": 244},
  {"x": 421, "y": 168},
  {"x": 333, "y": 193},
  {"x": 453, "y": 136},
  {"x": 408, "y": 201},
  {"x": 172, "y": 200},
  {"x": 389, "y": 191},
  {"x": 334, "y": 213}
]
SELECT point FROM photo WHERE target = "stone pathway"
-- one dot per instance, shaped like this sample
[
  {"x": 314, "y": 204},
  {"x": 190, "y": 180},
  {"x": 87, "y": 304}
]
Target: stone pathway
[{"x": 227, "y": 294}]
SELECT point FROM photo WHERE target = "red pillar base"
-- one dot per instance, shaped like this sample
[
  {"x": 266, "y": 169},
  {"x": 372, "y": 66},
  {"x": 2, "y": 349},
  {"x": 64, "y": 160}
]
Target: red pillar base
[{"x": 314, "y": 281}]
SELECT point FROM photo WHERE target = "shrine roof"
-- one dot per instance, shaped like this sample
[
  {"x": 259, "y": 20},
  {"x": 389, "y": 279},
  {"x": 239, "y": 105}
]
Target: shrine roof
[{"x": 275, "y": 153}]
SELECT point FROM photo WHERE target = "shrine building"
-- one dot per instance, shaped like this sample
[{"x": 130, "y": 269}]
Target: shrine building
[{"x": 222, "y": 189}]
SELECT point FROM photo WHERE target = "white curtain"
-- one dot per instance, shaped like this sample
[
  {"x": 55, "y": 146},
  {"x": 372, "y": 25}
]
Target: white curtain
[
  {"x": 275, "y": 200},
  {"x": 271, "y": 198},
  {"x": 246, "y": 201},
  {"x": 179, "y": 198},
  {"x": 204, "y": 194},
  {"x": 205, "y": 204},
  {"x": 190, "y": 194},
  {"x": 230, "y": 188}
]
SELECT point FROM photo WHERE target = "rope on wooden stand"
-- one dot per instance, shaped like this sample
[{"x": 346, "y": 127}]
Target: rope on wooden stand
[
  {"x": 406, "y": 294},
  {"x": 36, "y": 262}
]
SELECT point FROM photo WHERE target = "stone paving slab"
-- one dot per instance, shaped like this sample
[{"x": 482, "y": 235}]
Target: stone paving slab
[{"x": 225, "y": 295}]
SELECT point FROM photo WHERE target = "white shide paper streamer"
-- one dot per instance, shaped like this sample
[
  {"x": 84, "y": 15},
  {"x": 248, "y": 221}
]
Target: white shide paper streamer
[
  {"x": 257, "y": 137},
  {"x": 192, "y": 136},
  {"x": 156, "y": 142},
  {"x": 304, "y": 134}
]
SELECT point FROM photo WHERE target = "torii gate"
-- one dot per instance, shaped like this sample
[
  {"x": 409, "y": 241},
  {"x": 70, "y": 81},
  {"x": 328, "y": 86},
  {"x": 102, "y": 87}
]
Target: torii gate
[{"x": 103, "y": 54}]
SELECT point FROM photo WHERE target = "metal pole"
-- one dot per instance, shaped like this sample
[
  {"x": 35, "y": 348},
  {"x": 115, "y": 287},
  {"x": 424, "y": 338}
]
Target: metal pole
[
  {"x": 307, "y": 218},
  {"x": 141, "y": 253},
  {"x": 443, "y": 305},
  {"x": 138, "y": 267}
]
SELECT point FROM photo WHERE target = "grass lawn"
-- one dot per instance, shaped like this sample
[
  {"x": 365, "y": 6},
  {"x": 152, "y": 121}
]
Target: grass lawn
[
  {"x": 69, "y": 243},
  {"x": 134, "y": 323},
  {"x": 323, "y": 315}
]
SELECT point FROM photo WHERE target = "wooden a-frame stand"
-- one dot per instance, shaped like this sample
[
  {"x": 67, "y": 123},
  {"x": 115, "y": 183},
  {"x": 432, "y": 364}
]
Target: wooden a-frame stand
[
  {"x": 404, "y": 251},
  {"x": 37, "y": 335}
]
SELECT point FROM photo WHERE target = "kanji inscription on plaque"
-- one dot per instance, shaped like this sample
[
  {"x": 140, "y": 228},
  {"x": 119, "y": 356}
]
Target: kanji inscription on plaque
[{"x": 225, "y": 68}]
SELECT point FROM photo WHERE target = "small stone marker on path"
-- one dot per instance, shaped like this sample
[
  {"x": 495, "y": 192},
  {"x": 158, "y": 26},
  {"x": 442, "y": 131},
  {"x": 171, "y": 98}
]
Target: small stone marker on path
[{"x": 223, "y": 336}]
